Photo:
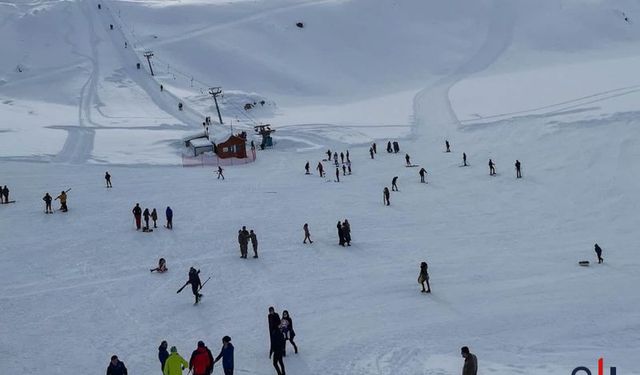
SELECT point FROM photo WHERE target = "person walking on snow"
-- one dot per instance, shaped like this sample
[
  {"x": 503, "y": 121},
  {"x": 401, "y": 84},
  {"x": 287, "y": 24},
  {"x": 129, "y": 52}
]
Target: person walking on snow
[
  {"x": 146, "y": 216},
  {"x": 344, "y": 169},
  {"x": 47, "y": 203},
  {"x": 116, "y": 367},
  {"x": 220, "y": 173},
  {"x": 598, "y": 253},
  {"x": 342, "y": 157},
  {"x": 347, "y": 155},
  {"x": 470, "y": 362},
  {"x": 175, "y": 363},
  {"x": 287, "y": 330},
  {"x": 63, "y": 201},
  {"x": 492, "y": 168},
  {"x": 163, "y": 354},
  {"x": 518, "y": 172},
  {"x": 306, "y": 168},
  {"x": 371, "y": 152},
  {"x": 422, "y": 173},
  {"x": 169, "y": 216},
  {"x": 464, "y": 159},
  {"x": 329, "y": 155},
  {"x": 154, "y": 218},
  {"x": 337, "y": 174},
  {"x": 423, "y": 277},
  {"x": 446, "y": 143},
  {"x": 277, "y": 351},
  {"x": 340, "y": 234},
  {"x": 107, "y": 177},
  {"x": 394, "y": 184},
  {"x": 137, "y": 214},
  {"x": 320, "y": 169},
  {"x": 389, "y": 149},
  {"x": 349, "y": 167},
  {"x": 375, "y": 151},
  {"x": 307, "y": 235},
  {"x": 385, "y": 196},
  {"x": 335, "y": 157},
  {"x": 243, "y": 252},
  {"x": 196, "y": 284},
  {"x": 201, "y": 362},
  {"x": 346, "y": 228},
  {"x": 408, "y": 159},
  {"x": 226, "y": 353},
  {"x": 254, "y": 243}
]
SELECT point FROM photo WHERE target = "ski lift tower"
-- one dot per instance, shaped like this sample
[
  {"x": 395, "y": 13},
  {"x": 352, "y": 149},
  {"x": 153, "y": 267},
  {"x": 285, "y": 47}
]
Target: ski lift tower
[
  {"x": 149, "y": 54},
  {"x": 265, "y": 131}
]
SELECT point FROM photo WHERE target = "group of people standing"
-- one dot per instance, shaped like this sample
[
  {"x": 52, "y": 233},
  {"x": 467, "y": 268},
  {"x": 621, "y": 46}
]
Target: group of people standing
[
  {"x": 63, "y": 202},
  {"x": 138, "y": 214},
  {"x": 280, "y": 331},
  {"x": 344, "y": 233},
  {"x": 201, "y": 361},
  {"x": 244, "y": 236}
]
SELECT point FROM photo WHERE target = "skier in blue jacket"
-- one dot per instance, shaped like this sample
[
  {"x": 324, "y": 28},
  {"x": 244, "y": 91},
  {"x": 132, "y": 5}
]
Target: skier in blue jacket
[{"x": 226, "y": 353}]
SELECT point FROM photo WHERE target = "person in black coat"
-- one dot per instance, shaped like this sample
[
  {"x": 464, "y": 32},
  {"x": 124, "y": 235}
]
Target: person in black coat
[
  {"x": 346, "y": 229},
  {"x": 598, "y": 253},
  {"x": 277, "y": 351},
  {"x": 288, "y": 331},
  {"x": 306, "y": 168},
  {"x": 389, "y": 149},
  {"x": 273, "y": 318},
  {"x": 116, "y": 367},
  {"x": 340, "y": 233},
  {"x": 196, "y": 284},
  {"x": 146, "y": 214},
  {"x": 163, "y": 354}
]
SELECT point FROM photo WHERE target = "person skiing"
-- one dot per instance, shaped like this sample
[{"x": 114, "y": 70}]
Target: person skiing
[
  {"x": 375, "y": 151},
  {"x": 175, "y": 363},
  {"x": 277, "y": 351},
  {"x": 63, "y": 201},
  {"x": 196, "y": 284},
  {"x": 329, "y": 155},
  {"x": 220, "y": 173},
  {"x": 446, "y": 143},
  {"x": 254, "y": 243},
  {"x": 408, "y": 159},
  {"x": 163, "y": 354},
  {"x": 342, "y": 157},
  {"x": 320, "y": 169},
  {"x": 169, "y": 216},
  {"x": 422, "y": 173},
  {"x": 116, "y": 367},
  {"x": 47, "y": 203},
  {"x": 464, "y": 159},
  {"x": 137, "y": 214},
  {"x": 389, "y": 149},
  {"x": 154, "y": 218},
  {"x": 107, "y": 177},
  {"x": 394, "y": 184},
  {"x": 492, "y": 168},
  {"x": 337, "y": 174},
  {"x": 424, "y": 277},
  {"x": 346, "y": 228},
  {"x": 5, "y": 194},
  {"x": 340, "y": 233},
  {"x": 146, "y": 216},
  {"x": 385, "y": 196},
  {"x": 201, "y": 362},
  {"x": 371, "y": 152},
  {"x": 162, "y": 267},
  {"x": 307, "y": 235},
  {"x": 598, "y": 250},
  {"x": 288, "y": 331},
  {"x": 226, "y": 353},
  {"x": 470, "y": 362},
  {"x": 518, "y": 172},
  {"x": 306, "y": 168}
]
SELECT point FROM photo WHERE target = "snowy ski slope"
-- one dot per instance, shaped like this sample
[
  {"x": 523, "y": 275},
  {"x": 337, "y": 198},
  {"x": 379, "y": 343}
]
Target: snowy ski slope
[{"x": 553, "y": 84}]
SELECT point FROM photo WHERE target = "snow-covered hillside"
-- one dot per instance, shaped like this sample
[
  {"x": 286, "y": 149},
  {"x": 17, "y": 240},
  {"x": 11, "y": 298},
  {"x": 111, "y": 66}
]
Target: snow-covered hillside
[{"x": 550, "y": 83}]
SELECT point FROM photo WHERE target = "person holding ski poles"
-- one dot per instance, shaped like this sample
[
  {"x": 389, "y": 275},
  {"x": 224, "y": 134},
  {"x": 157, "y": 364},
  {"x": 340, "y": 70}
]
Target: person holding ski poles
[{"x": 196, "y": 284}]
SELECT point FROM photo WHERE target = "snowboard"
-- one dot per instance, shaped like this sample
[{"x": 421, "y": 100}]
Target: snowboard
[
  {"x": 147, "y": 230},
  {"x": 8, "y": 202},
  {"x": 584, "y": 263},
  {"x": 412, "y": 165}
]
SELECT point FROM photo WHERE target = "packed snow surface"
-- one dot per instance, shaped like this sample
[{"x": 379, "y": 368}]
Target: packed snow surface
[{"x": 553, "y": 84}]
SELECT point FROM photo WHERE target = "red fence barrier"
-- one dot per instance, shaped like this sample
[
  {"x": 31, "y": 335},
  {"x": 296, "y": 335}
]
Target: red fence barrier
[{"x": 212, "y": 160}]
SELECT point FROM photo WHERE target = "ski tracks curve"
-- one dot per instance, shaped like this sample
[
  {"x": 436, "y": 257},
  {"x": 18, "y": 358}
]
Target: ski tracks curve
[{"x": 431, "y": 106}]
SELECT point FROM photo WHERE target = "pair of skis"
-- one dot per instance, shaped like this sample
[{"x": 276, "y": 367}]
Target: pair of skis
[{"x": 201, "y": 286}]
